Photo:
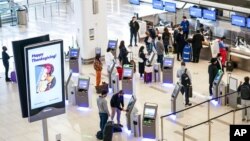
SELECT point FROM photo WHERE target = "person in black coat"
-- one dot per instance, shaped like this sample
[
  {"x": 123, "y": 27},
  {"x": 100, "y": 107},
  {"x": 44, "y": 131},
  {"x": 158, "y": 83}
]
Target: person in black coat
[
  {"x": 6, "y": 58},
  {"x": 134, "y": 27},
  {"x": 142, "y": 61},
  {"x": 212, "y": 71},
  {"x": 181, "y": 42},
  {"x": 123, "y": 54},
  {"x": 197, "y": 45}
]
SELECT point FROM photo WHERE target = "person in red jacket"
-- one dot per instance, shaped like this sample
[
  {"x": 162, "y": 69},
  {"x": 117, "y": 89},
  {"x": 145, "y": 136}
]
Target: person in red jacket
[{"x": 223, "y": 50}]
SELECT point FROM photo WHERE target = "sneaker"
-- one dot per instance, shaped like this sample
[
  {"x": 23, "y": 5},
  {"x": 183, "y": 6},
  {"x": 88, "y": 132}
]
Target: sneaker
[
  {"x": 189, "y": 104},
  {"x": 8, "y": 80},
  {"x": 243, "y": 119},
  {"x": 120, "y": 125}
]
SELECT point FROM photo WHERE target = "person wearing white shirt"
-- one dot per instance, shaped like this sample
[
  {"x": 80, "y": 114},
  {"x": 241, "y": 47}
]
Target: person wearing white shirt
[{"x": 109, "y": 58}]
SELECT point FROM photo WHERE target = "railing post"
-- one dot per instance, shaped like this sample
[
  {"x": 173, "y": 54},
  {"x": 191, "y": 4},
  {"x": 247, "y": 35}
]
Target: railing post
[
  {"x": 184, "y": 135},
  {"x": 209, "y": 131},
  {"x": 234, "y": 117},
  {"x": 162, "y": 136},
  {"x": 208, "y": 110}
]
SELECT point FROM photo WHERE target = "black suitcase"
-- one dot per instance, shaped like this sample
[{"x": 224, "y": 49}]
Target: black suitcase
[
  {"x": 108, "y": 131},
  {"x": 229, "y": 66},
  {"x": 190, "y": 93},
  {"x": 117, "y": 128}
]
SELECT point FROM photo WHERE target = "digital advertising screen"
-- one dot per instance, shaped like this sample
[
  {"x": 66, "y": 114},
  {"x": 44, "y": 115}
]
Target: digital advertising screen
[
  {"x": 158, "y": 4},
  {"x": 248, "y": 22},
  {"x": 112, "y": 44},
  {"x": 168, "y": 62},
  {"x": 136, "y": 2},
  {"x": 170, "y": 7},
  {"x": 127, "y": 72},
  {"x": 45, "y": 79},
  {"x": 149, "y": 112},
  {"x": 74, "y": 52},
  {"x": 83, "y": 83},
  {"x": 209, "y": 14},
  {"x": 238, "y": 20},
  {"x": 195, "y": 12}
]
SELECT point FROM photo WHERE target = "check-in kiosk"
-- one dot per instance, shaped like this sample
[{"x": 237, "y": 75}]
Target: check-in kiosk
[
  {"x": 232, "y": 99},
  {"x": 112, "y": 44},
  {"x": 177, "y": 100},
  {"x": 127, "y": 79},
  {"x": 74, "y": 60},
  {"x": 216, "y": 84},
  {"x": 157, "y": 72},
  {"x": 168, "y": 68},
  {"x": 70, "y": 90},
  {"x": 149, "y": 122},
  {"x": 130, "y": 112},
  {"x": 82, "y": 95}
]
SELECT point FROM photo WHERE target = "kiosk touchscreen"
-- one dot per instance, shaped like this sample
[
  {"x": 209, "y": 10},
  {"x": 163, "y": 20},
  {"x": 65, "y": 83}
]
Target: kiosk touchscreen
[
  {"x": 168, "y": 66},
  {"x": 74, "y": 60},
  {"x": 177, "y": 100},
  {"x": 127, "y": 80},
  {"x": 149, "y": 121},
  {"x": 82, "y": 96},
  {"x": 233, "y": 86},
  {"x": 112, "y": 44},
  {"x": 130, "y": 107},
  {"x": 216, "y": 83}
]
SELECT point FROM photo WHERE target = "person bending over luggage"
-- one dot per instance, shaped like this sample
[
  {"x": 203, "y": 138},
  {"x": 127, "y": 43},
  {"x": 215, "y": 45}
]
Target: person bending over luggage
[
  {"x": 117, "y": 105},
  {"x": 98, "y": 69},
  {"x": 103, "y": 109},
  {"x": 142, "y": 61},
  {"x": 185, "y": 80},
  {"x": 244, "y": 90},
  {"x": 6, "y": 58},
  {"x": 160, "y": 51}
]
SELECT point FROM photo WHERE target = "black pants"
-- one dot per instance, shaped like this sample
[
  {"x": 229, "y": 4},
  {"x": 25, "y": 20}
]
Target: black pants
[
  {"x": 160, "y": 59},
  {"x": 196, "y": 54},
  {"x": 185, "y": 90},
  {"x": 185, "y": 34},
  {"x": 179, "y": 52},
  {"x": 133, "y": 34},
  {"x": 211, "y": 89},
  {"x": 6, "y": 66},
  {"x": 166, "y": 48},
  {"x": 103, "y": 120}
]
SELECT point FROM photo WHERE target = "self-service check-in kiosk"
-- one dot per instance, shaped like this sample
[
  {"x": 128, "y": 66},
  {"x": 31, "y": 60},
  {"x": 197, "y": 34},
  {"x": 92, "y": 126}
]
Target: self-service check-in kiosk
[
  {"x": 74, "y": 60},
  {"x": 130, "y": 112},
  {"x": 127, "y": 79},
  {"x": 149, "y": 122},
  {"x": 157, "y": 72},
  {"x": 112, "y": 44},
  {"x": 216, "y": 84},
  {"x": 168, "y": 68},
  {"x": 82, "y": 95},
  {"x": 232, "y": 99},
  {"x": 177, "y": 100},
  {"x": 70, "y": 90}
]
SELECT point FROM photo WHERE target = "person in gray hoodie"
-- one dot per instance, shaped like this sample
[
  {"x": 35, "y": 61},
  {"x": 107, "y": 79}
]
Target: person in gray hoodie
[
  {"x": 160, "y": 51},
  {"x": 103, "y": 109}
]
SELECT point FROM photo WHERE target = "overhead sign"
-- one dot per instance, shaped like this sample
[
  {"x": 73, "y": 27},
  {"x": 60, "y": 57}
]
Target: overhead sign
[
  {"x": 238, "y": 20},
  {"x": 195, "y": 12},
  {"x": 209, "y": 14},
  {"x": 158, "y": 4},
  {"x": 170, "y": 7},
  {"x": 45, "y": 79}
]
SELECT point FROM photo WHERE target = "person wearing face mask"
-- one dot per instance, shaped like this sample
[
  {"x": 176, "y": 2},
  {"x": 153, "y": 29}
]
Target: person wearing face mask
[
  {"x": 180, "y": 41},
  {"x": 5, "y": 59},
  {"x": 185, "y": 27},
  {"x": 134, "y": 27}
]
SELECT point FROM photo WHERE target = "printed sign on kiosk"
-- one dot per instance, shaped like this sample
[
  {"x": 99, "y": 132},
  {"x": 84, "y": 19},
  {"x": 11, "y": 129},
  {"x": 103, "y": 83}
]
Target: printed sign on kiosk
[{"x": 45, "y": 79}]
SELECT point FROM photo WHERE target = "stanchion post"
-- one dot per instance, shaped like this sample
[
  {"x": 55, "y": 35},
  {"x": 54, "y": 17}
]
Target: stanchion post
[
  {"x": 45, "y": 130},
  {"x": 233, "y": 117},
  {"x": 43, "y": 12},
  {"x": 162, "y": 129},
  {"x": 208, "y": 110},
  {"x": 184, "y": 135},
  {"x": 209, "y": 131}
]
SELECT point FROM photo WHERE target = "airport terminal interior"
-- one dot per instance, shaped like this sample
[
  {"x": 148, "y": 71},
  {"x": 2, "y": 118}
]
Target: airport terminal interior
[{"x": 58, "y": 19}]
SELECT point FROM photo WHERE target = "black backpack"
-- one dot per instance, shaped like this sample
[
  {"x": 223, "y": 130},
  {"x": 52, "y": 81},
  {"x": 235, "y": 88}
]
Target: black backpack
[
  {"x": 185, "y": 80},
  {"x": 245, "y": 92}
]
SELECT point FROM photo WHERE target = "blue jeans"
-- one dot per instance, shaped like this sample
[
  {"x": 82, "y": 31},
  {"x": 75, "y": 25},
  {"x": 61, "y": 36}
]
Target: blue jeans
[{"x": 103, "y": 120}]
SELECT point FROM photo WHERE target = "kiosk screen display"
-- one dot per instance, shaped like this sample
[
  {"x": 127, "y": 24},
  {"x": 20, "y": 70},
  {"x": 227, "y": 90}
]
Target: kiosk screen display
[
  {"x": 209, "y": 14},
  {"x": 195, "y": 12},
  {"x": 149, "y": 112},
  {"x": 74, "y": 52},
  {"x": 137, "y": 2},
  {"x": 248, "y": 22},
  {"x": 218, "y": 77},
  {"x": 112, "y": 44},
  {"x": 83, "y": 84},
  {"x": 168, "y": 62},
  {"x": 127, "y": 72},
  {"x": 170, "y": 7},
  {"x": 176, "y": 90},
  {"x": 157, "y": 4},
  {"x": 131, "y": 103},
  {"x": 238, "y": 20}
]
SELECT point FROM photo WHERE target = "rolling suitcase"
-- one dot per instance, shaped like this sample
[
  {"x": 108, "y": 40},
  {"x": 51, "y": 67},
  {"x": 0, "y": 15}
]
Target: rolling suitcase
[
  {"x": 187, "y": 53},
  {"x": 190, "y": 93},
  {"x": 13, "y": 76},
  {"x": 108, "y": 131}
]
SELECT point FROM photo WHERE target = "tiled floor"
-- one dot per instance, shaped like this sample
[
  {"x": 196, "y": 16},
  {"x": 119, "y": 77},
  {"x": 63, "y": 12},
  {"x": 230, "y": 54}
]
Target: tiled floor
[{"x": 82, "y": 124}]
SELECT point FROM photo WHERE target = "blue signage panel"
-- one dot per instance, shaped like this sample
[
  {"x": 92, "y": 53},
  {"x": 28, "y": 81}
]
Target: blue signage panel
[
  {"x": 158, "y": 5},
  {"x": 209, "y": 14},
  {"x": 248, "y": 22},
  {"x": 238, "y": 20},
  {"x": 170, "y": 7},
  {"x": 137, "y": 2},
  {"x": 195, "y": 12}
]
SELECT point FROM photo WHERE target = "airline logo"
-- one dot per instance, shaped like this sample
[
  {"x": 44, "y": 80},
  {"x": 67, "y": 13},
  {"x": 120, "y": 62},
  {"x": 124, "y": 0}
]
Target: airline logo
[
  {"x": 237, "y": 20},
  {"x": 207, "y": 14},
  {"x": 158, "y": 5},
  {"x": 196, "y": 12}
]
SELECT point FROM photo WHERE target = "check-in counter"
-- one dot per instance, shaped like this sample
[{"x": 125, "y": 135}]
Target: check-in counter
[{"x": 241, "y": 57}]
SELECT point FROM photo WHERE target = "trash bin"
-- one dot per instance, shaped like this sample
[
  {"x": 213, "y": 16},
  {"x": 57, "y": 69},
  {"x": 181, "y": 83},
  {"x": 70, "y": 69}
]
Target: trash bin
[{"x": 22, "y": 16}]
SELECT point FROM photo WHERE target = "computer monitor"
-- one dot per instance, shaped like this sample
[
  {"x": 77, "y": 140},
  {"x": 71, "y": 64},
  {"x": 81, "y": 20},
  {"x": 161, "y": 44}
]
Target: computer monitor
[
  {"x": 73, "y": 53},
  {"x": 168, "y": 62},
  {"x": 238, "y": 20},
  {"x": 209, "y": 14},
  {"x": 127, "y": 72},
  {"x": 195, "y": 12},
  {"x": 176, "y": 90},
  {"x": 112, "y": 44},
  {"x": 149, "y": 112},
  {"x": 248, "y": 22},
  {"x": 158, "y": 4},
  {"x": 83, "y": 84},
  {"x": 136, "y": 2},
  {"x": 170, "y": 7}
]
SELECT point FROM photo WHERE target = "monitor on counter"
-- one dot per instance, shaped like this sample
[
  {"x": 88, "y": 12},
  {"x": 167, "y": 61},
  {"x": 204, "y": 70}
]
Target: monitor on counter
[
  {"x": 74, "y": 52},
  {"x": 149, "y": 112},
  {"x": 209, "y": 14},
  {"x": 195, "y": 12},
  {"x": 127, "y": 72},
  {"x": 238, "y": 20},
  {"x": 158, "y": 4},
  {"x": 112, "y": 44},
  {"x": 136, "y": 2},
  {"x": 168, "y": 62},
  {"x": 83, "y": 84},
  {"x": 170, "y": 7},
  {"x": 248, "y": 22}
]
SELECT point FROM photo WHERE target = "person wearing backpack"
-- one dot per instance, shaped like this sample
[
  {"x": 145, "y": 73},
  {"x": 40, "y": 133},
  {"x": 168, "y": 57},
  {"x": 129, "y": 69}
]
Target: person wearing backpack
[
  {"x": 244, "y": 90},
  {"x": 185, "y": 80}
]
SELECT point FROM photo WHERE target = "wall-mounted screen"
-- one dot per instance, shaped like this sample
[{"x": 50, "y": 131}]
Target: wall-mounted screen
[
  {"x": 112, "y": 44},
  {"x": 127, "y": 72},
  {"x": 83, "y": 84},
  {"x": 157, "y": 4},
  {"x": 136, "y": 2},
  {"x": 209, "y": 14},
  {"x": 149, "y": 112},
  {"x": 168, "y": 62},
  {"x": 248, "y": 22},
  {"x": 74, "y": 52},
  {"x": 195, "y": 12},
  {"x": 238, "y": 20},
  {"x": 170, "y": 7}
]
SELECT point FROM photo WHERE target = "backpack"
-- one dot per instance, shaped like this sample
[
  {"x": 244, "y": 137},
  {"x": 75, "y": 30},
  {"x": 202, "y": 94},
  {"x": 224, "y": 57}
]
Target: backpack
[
  {"x": 245, "y": 92},
  {"x": 185, "y": 80}
]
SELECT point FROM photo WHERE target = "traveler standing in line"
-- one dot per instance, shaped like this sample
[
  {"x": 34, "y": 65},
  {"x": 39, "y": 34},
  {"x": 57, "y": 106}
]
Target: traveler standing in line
[
  {"x": 160, "y": 51},
  {"x": 197, "y": 45},
  {"x": 185, "y": 80},
  {"x": 185, "y": 27},
  {"x": 166, "y": 38},
  {"x": 142, "y": 61},
  {"x": 212, "y": 71},
  {"x": 148, "y": 42},
  {"x": 103, "y": 109},
  {"x": 134, "y": 27},
  {"x": 123, "y": 53},
  {"x": 244, "y": 90},
  {"x": 6, "y": 58},
  {"x": 98, "y": 69},
  {"x": 117, "y": 105},
  {"x": 180, "y": 40}
]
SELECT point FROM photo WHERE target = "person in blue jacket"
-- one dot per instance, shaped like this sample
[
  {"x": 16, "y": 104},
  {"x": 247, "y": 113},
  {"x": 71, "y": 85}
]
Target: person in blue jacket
[{"x": 185, "y": 27}]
